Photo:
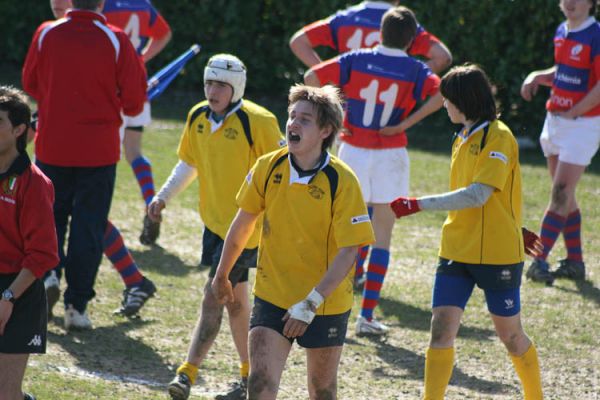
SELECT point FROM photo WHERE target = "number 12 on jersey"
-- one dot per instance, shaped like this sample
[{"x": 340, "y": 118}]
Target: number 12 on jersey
[{"x": 370, "y": 95}]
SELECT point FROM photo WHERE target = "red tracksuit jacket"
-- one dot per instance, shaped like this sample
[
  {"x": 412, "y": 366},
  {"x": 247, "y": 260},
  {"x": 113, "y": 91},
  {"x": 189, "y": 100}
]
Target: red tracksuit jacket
[
  {"x": 27, "y": 231},
  {"x": 83, "y": 73}
]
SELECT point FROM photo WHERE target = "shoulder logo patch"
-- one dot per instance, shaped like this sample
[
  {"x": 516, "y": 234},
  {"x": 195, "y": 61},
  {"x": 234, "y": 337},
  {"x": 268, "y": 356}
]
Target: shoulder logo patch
[
  {"x": 8, "y": 186},
  {"x": 360, "y": 219},
  {"x": 499, "y": 156}
]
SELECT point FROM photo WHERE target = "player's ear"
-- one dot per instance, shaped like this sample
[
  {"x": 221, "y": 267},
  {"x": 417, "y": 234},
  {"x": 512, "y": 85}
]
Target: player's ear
[{"x": 19, "y": 129}]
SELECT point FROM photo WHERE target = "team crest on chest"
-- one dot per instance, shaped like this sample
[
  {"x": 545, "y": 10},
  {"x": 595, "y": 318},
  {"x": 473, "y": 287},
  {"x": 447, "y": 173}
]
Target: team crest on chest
[
  {"x": 277, "y": 178},
  {"x": 200, "y": 128},
  {"x": 230, "y": 133},
  {"x": 9, "y": 185},
  {"x": 316, "y": 192},
  {"x": 474, "y": 148}
]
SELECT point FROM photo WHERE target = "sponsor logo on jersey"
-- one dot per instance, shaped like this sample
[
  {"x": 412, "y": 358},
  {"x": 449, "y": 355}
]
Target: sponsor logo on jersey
[
  {"x": 570, "y": 79},
  {"x": 499, "y": 156},
  {"x": 316, "y": 192},
  {"x": 35, "y": 341},
  {"x": 575, "y": 51},
  {"x": 360, "y": 219},
  {"x": 563, "y": 102},
  {"x": 230, "y": 133}
]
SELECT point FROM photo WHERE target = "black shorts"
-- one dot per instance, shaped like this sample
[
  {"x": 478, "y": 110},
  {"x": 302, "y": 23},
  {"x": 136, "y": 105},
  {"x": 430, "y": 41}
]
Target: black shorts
[
  {"x": 25, "y": 332},
  {"x": 323, "y": 331},
  {"x": 486, "y": 276},
  {"x": 212, "y": 246}
]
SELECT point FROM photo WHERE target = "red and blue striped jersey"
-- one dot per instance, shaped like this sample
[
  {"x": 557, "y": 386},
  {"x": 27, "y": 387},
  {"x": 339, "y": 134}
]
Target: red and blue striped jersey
[
  {"x": 577, "y": 60},
  {"x": 138, "y": 18},
  {"x": 358, "y": 27},
  {"x": 382, "y": 86}
]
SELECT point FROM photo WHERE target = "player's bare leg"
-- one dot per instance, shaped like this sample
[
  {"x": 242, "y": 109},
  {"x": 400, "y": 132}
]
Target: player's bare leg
[
  {"x": 207, "y": 327},
  {"x": 322, "y": 367},
  {"x": 268, "y": 354},
  {"x": 439, "y": 360},
  {"x": 12, "y": 370},
  {"x": 522, "y": 352}
]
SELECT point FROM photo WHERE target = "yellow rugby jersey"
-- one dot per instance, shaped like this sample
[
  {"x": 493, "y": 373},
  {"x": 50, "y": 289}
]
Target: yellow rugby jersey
[
  {"x": 223, "y": 153},
  {"x": 304, "y": 228},
  {"x": 490, "y": 234}
]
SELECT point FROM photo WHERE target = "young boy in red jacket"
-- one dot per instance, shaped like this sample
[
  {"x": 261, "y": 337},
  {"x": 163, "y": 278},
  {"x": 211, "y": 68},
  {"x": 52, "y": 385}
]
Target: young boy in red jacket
[{"x": 28, "y": 246}]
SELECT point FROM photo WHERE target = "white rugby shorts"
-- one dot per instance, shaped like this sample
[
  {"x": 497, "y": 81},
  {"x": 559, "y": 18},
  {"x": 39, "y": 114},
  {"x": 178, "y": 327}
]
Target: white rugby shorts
[
  {"x": 575, "y": 141},
  {"x": 383, "y": 173}
]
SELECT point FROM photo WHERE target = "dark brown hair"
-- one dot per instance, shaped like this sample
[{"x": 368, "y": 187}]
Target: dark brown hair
[
  {"x": 469, "y": 89},
  {"x": 14, "y": 102},
  {"x": 398, "y": 27}
]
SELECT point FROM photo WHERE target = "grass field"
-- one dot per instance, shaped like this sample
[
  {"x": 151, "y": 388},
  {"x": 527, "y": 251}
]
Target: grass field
[{"x": 135, "y": 359}]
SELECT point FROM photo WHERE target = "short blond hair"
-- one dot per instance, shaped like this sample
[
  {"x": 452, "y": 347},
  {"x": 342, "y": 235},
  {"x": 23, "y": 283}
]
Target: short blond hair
[{"x": 328, "y": 102}]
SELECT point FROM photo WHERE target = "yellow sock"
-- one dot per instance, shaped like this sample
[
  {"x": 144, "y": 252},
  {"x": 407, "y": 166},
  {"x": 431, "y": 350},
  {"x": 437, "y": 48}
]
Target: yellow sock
[
  {"x": 190, "y": 370},
  {"x": 438, "y": 369},
  {"x": 244, "y": 369},
  {"x": 528, "y": 369}
]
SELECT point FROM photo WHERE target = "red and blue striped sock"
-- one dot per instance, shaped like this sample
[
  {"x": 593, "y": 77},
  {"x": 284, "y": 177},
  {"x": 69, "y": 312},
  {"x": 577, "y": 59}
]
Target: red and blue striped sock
[
  {"x": 572, "y": 236},
  {"x": 143, "y": 173},
  {"x": 362, "y": 254},
  {"x": 120, "y": 257},
  {"x": 378, "y": 265},
  {"x": 552, "y": 226}
]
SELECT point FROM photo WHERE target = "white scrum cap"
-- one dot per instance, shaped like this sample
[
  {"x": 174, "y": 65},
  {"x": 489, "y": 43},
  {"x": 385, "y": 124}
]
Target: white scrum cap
[{"x": 229, "y": 69}]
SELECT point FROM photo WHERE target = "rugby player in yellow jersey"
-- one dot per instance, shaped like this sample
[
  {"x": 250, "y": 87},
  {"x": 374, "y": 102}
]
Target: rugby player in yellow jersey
[
  {"x": 482, "y": 243},
  {"x": 222, "y": 139},
  {"x": 314, "y": 222}
]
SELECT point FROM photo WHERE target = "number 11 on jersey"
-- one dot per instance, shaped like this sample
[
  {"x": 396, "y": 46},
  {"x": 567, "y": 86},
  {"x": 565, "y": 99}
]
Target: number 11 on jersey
[{"x": 370, "y": 95}]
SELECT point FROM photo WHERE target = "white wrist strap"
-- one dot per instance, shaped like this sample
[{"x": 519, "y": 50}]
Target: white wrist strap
[{"x": 315, "y": 298}]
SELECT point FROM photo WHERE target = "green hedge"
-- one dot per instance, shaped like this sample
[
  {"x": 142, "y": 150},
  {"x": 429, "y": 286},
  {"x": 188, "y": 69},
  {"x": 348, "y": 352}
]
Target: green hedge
[{"x": 508, "y": 38}]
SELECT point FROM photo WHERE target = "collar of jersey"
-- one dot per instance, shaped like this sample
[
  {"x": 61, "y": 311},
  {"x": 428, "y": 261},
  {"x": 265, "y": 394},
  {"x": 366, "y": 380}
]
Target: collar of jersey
[
  {"x": 389, "y": 51},
  {"x": 305, "y": 180},
  {"x": 74, "y": 12},
  {"x": 21, "y": 163},
  {"x": 380, "y": 5},
  {"x": 586, "y": 24},
  {"x": 214, "y": 125},
  {"x": 466, "y": 134}
]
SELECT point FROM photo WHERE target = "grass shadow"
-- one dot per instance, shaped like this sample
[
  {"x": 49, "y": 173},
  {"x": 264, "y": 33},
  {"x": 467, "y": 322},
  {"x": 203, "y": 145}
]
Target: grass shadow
[
  {"x": 415, "y": 318},
  {"x": 585, "y": 289},
  {"x": 412, "y": 366},
  {"x": 155, "y": 258},
  {"x": 108, "y": 352}
]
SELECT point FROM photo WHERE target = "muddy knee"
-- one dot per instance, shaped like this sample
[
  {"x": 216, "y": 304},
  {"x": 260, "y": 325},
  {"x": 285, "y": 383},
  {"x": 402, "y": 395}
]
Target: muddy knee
[
  {"x": 259, "y": 382},
  {"x": 559, "y": 195}
]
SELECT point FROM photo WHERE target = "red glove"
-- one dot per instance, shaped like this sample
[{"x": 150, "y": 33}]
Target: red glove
[
  {"x": 532, "y": 243},
  {"x": 404, "y": 206}
]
